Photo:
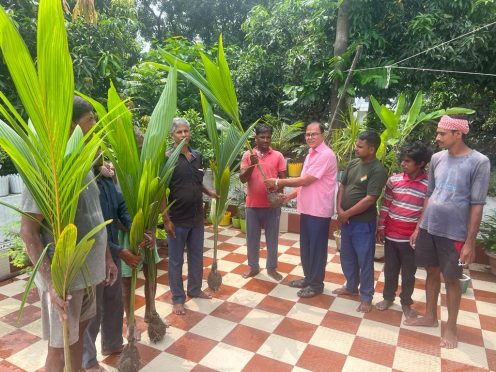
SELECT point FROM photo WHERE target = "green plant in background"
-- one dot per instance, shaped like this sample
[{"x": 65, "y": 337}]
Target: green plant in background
[
  {"x": 15, "y": 248},
  {"x": 144, "y": 178},
  {"x": 3, "y": 156},
  {"x": 52, "y": 162},
  {"x": 400, "y": 121},
  {"x": 343, "y": 139},
  {"x": 492, "y": 184},
  {"x": 216, "y": 87},
  {"x": 487, "y": 233},
  {"x": 284, "y": 135}
]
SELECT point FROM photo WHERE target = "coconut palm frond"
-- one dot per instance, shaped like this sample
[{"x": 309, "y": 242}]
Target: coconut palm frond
[{"x": 52, "y": 163}]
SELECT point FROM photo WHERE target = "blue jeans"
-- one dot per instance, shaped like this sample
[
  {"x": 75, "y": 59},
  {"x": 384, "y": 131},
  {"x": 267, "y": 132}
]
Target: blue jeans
[
  {"x": 314, "y": 233},
  {"x": 268, "y": 219},
  {"x": 192, "y": 239},
  {"x": 357, "y": 257}
]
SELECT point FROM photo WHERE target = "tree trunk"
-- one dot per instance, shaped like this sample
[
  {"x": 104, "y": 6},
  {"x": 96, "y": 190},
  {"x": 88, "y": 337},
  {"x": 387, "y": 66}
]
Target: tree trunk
[{"x": 340, "y": 45}]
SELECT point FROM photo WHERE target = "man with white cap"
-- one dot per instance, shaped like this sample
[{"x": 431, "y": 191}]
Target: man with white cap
[{"x": 444, "y": 239}]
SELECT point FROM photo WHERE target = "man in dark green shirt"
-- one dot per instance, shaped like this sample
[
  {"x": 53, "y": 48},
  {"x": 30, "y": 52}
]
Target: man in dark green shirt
[{"x": 360, "y": 188}]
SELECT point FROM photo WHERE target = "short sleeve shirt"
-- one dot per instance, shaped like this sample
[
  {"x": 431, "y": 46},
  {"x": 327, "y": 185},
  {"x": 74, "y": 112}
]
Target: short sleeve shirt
[
  {"x": 317, "y": 199},
  {"x": 88, "y": 216},
  {"x": 359, "y": 180},
  {"x": 272, "y": 163},
  {"x": 186, "y": 191},
  {"x": 455, "y": 183}
]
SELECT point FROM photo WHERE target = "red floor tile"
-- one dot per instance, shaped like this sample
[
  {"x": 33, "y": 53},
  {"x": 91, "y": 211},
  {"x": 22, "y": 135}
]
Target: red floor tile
[
  {"x": 491, "y": 359},
  {"x": 15, "y": 341},
  {"x": 231, "y": 311},
  {"x": 294, "y": 251},
  {"x": 207, "y": 261},
  {"x": 336, "y": 259},
  {"x": 261, "y": 363},
  {"x": 379, "y": 287},
  {"x": 191, "y": 347},
  {"x": 373, "y": 351},
  {"x": 296, "y": 329},
  {"x": 241, "y": 269},
  {"x": 8, "y": 367},
  {"x": 163, "y": 279},
  {"x": 29, "y": 314},
  {"x": 466, "y": 304},
  {"x": 200, "y": 368},
  {"x": 488, "y": 322},
  {"x": 275, "y": 305},
  {"x": 284, "y": 267},
  {"x": 235, "y": 257},
  {"x": 165, "y": 297},
  {"x": 450, "y": 366},
  {"x": 260, "y": 286},
  {"x": 223, "y": 238},
  {"x": 341, "y": 322},
  {"x": 485, "y": 296},
  {"x": 334, "y": 278},
  {"x": 287, "y": 242},
  {"x": 321, "y": 360},
  {"x": 481, "y": 275},
  {"x": 139, "y": 301},
  {"x": 391, "y": 317},
  {"x": 420, "y": 342},
  {"x": 246, "y": 337},
  {"x": 224, "y": 292},
  {"x": 323, "y": 301},
  {"x": 187, "y": 321},
  {"x": 228, "y": 246},
  {"x": 31, "y": 299}
]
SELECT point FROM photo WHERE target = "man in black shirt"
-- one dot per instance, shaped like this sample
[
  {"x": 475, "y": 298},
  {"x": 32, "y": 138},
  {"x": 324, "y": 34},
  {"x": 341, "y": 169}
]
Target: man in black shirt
[{"x": 184, "y": 219}]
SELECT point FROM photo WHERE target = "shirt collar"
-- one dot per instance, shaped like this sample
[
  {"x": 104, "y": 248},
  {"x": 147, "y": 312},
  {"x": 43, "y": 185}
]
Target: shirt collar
[
  {"x": 319, "y": 148},
  {"x": 422, "y": 175},
  {"x": 267, "y": 153}
]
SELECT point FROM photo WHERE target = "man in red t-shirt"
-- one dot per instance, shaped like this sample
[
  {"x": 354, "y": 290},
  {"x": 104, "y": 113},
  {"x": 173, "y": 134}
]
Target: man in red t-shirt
[{"x": 259, "y": 213}]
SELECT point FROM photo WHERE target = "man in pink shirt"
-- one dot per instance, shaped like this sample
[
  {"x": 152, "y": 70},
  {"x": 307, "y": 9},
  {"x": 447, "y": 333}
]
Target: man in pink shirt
[
  {"x": 259, "y": 213},
  {"x": 315, "y": 203}
]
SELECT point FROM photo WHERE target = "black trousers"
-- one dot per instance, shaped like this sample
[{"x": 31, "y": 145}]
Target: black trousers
[{"x": 399, "y": 256}]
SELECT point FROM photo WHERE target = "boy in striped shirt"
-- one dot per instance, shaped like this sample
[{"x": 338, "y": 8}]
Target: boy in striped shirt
[{"x": 400, "y": 211}]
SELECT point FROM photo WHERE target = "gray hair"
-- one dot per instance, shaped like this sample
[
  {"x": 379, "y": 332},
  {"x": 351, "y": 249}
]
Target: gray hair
[{"x": 177, "y": 122}]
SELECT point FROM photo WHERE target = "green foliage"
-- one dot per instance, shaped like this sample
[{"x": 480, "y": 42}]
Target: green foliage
[
  {"x": 284, "y": 136},
  {"x": 492, "y": 184},
  {"x": 400, "y": 121},
  {"x": 52, "y": 162},
  {"x": 343, "y": 139},
  {"x": 204, "y": 19},
  {"x": 3, "y": 156},
  {"x": 16, "y": 251},
  {"x": 487, "y": 233}
]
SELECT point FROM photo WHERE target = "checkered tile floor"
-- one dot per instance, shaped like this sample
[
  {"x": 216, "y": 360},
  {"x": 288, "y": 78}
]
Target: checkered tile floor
[{"x": 258, "y": 325}]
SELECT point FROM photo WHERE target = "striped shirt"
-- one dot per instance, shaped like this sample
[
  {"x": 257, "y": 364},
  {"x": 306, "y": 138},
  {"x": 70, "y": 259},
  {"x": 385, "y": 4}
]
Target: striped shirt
[{"x": 402, "y": 205}]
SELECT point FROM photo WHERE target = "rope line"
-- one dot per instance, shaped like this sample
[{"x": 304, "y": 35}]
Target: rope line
[
  {"x": 445, "y": 42},
  {"x": 425, "y": 69}
]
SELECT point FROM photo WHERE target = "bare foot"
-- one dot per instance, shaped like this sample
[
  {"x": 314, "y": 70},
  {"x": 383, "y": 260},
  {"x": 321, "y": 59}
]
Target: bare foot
[
  {"x": 364, "y": 307},
  {"x": 343, "y": 292},
  {"x": 274, "y": 274},
  {"x": 383, "y": 305},
  {"x": 178, "y": 309},
  {"x": 449, "y": 340},
  {"x": 421, "y": 322},
  {"x": 409, "y": 312},
  {"x": 204, "y": 295},
  {"x": 250, "y": 273}
]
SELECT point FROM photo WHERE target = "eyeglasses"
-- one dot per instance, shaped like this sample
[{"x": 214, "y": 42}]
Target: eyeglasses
[{"x": 312, "y": 135}]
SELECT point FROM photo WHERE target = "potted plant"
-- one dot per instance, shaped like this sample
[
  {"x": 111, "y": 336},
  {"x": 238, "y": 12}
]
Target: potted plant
[
  {"x": 487, "y": 239},
  {"x": 242, "y": 218}
]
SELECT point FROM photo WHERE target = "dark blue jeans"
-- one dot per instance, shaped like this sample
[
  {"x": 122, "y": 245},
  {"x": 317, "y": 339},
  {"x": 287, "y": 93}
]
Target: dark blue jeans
[
  {"x": 357, "y": 257},
  {"x": 192, "y": 239},
  {"x": 314, "y": 233}
]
